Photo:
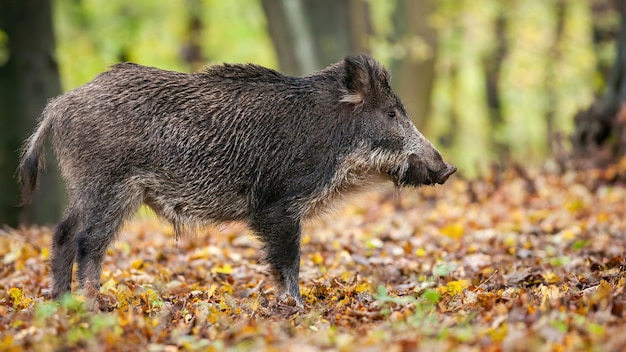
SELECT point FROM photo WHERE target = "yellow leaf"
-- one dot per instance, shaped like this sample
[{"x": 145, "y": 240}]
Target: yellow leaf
[
  {"x": 510, "y": 241},
  {"x": 108, "y": 286},
  {"x": 603, "y": 292},
  {"x": 224, "y": 269},
  {"x": 575, "y": 205},
  {"x": 45, "y": 253},
  {"x": 420, "y": 252},
  {"x": 498, "y": 334},
  {"x": 347, "y": 275},
  {"x": 454, "y": 231},
  {"x": 317, "y": 258},
  {"x": 136, "y": 264},
  {"x": 568, "y": 235},
  {"x": 19, "y": 301},
  {"x": 150, "y": 297},
  {"x": 549, "y": 293},
  {"x": 363, "y": 287},
  {"x": 202, "y": 253},
  {"x": 15, "y": 293},
  {"x": 14, "y": 253},
  {"x": 455, "y": 287},
  {"x": 211, "y": 291},
  {"x": 125, "y": 298},
  {"x": 551, "y": 277},
  {"x": 7, "y": 343}
]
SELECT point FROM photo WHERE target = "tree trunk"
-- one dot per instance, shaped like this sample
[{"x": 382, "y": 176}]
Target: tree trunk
[
  {"x": 560, "y": 8},
  {"x": 360, "y": 26},
  {"x": 312, "y": 34},
  {"x": 600, "y": 130},
  {"x": 291, "y": 35},
  {"x": 192, "y": 49},
  {"x": 493, "y": 70},
  {"x": 414, "y": 72},
  {"x": 27, "y": 80},
  {"x": 604, "y": 34}
]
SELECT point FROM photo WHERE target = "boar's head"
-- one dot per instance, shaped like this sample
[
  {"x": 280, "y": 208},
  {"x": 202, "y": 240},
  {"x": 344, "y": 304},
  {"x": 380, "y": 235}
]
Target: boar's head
[{"x": 389, "y": 142}]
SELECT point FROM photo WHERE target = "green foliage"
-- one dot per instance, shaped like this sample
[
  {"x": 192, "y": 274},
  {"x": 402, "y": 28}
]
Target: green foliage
[
  {"x": 580, "y": 244},
  {"x": 444, "y": 269},
  {"x": 431, "y": 296},
  {"x": 44, "y": 311},
  {"x": 72, "y": 304},
  {"x": 93, "y": 34},
  {"x": 237, "y": 32},
  {"x": 383, "y": 296}
]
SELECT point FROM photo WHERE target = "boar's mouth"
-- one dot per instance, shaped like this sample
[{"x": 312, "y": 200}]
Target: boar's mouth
[{"x": 417, "y": 173}]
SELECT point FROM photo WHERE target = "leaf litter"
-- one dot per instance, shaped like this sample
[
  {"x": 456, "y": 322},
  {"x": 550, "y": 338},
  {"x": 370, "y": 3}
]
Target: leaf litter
[{"x": 515, "y": 261}]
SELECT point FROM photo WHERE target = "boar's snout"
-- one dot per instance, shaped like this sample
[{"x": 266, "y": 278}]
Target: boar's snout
[
  {"x": 445, "y": 173},
  {"x": 418, "y": 172}
]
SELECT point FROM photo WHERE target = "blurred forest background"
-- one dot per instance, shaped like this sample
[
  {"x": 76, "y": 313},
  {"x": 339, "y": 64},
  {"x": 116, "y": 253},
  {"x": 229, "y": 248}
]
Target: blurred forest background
[{"x": 487, "y": 81}]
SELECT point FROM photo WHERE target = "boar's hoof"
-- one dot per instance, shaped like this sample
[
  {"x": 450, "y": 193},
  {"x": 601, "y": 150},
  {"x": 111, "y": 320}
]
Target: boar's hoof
[{"x": 445, "y": 173}]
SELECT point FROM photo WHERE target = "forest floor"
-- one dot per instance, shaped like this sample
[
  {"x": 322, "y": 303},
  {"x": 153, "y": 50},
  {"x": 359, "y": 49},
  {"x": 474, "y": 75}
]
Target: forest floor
[{"x": 513, "y": 261}]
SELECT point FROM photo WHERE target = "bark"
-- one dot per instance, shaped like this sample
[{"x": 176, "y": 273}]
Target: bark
[
  {"x": 493, "y": 70},
  {"x": 414, "y": 73},
  {"x": 191, "y": 51},
  {"x": 312, "y": 34},
  {"x": 360, "y": 26},
  {"x": 600, "y": 130},
  {"x": 299, "y": 24},
  {"x": 555, "y": 54},
  {"x": 27, "y": 80},
  {"x": 281, "y": 36},
  {"x": 289, "y": 30},
  {"x": 604, "y": 34},
  {"x": 449, "y": 138}
]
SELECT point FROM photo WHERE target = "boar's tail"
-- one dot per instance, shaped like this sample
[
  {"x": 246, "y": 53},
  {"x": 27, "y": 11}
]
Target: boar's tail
[{"x": 32, "y": 157}]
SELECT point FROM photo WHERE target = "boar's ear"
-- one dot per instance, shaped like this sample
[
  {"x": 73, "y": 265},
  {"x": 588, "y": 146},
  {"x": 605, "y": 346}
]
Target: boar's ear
[{"x": 357, "y": 79}]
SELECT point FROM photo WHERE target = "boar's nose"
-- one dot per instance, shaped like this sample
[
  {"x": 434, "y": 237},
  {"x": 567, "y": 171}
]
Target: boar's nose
[{"x": 445, "y": 173}]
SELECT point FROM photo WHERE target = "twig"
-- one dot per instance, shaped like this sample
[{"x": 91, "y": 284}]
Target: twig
[{"x": 484, "y": 282}]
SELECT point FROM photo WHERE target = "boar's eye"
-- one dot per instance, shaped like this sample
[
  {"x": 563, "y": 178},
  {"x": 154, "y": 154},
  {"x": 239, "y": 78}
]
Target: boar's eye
[{"x": 391, "y": 114}]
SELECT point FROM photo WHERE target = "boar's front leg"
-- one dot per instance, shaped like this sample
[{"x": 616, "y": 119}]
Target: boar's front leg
[{"x": 280, "y": 234}]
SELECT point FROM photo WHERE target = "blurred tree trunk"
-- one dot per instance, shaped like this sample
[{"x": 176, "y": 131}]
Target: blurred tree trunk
[
  {"x": 493, "y": 70},
  {"x": 191, "y": 51},
  {"x": 311, "y": 34},
  {"x": 605, "y": 32},
  {"x": 414, "y": 72},
  {"x": 281, "y": 37},
  {"x": 27, "y": 80},
  {"x": 555, "y": 54},
  {"x": 600, "y": 130},
  {"x": 339, "y": 27},
  {"x": 291, "y": 35}
]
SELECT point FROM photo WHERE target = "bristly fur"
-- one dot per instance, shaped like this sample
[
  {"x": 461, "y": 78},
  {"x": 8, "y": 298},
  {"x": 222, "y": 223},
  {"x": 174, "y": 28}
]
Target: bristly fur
[{"x": 231, "y": 143}]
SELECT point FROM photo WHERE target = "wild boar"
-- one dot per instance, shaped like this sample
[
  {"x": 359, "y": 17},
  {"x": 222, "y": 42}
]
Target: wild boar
[{"x": 231, "y": 143}]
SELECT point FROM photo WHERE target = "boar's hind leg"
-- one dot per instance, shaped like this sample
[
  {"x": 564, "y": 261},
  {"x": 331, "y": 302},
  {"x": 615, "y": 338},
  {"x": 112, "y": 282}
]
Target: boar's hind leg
[
  {"x": 102, "y": 222},
  {"x": 63, "y": 253},
  {"x": 281, "y": 243}
]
